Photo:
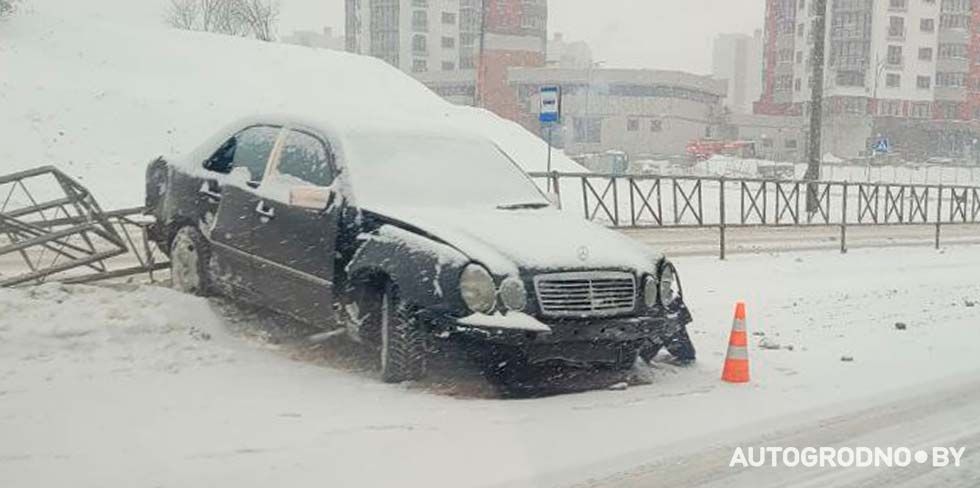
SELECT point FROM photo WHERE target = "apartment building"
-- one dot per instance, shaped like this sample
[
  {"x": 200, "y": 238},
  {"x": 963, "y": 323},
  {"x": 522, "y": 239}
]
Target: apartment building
[
  {"x": 415, "y": 36},
  {"x": 737, "y": 59},
  {"x": 461, "y": 49},
  {"x": 901, "y": 65}
]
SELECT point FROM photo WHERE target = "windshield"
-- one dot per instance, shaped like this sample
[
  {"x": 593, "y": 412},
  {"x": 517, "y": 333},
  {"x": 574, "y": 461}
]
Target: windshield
[{"x": 432, "y": 171}]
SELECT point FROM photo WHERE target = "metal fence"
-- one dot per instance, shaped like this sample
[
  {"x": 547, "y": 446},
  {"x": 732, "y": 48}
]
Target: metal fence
[
  {"x": 647, "y": 201},
  {"x": 51, "y": 227}
]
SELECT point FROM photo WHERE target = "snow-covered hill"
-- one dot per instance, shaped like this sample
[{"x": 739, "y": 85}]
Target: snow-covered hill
[{"x": 101, "y": 87}]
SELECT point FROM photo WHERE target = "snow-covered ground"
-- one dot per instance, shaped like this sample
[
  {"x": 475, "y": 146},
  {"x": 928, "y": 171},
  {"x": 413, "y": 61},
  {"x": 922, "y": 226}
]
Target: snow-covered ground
[
  {"x": 101, "y": 88},
  {"x": 124, "y": 385}
]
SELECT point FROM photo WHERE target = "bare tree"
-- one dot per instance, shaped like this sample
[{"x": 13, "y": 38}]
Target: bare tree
[
  {"x": 7, "y": 7},
  {"x": 245, "y": 18},
  {"x": 183, "y": 14},
  {"x": 259, "y": 16}
]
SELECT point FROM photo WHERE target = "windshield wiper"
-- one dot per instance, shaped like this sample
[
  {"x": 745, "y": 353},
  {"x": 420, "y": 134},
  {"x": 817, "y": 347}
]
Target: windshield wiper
[{"x": 523, "y": 206}]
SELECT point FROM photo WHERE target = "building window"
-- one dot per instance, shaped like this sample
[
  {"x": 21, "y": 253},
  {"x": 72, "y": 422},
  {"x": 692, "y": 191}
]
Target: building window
[
  {"x": 449, "y": 42},
  {"x": 850, "y": 78},
  {"x": 656, "y": 125},
  {"x": 894, "y": 55},
  {"x": 954, "y": 21},
  {"x": 798, "y": 85},
  {"x": 951, "y": 80},
  {"x": 953, "y": 51},
  {"x": 896, "y": 27},
  {"x": 633, "y": 125},
  {"x": 893, "y": 80},
  {"x": 891, "y": 108},
  {"x": 448, "y": 66},
  {"x": 420, "y": 66},
  {"x": 799, "y": 57},
  {"x": 791, "y": 144},
  {"x": 588, "y": 130},
  {"x": 420, "y": 21},
  {"x": 898, "y": 4},
  {"x": 923, "y": 82},
  {"x": 420, "y": 45},
  {"x": 449, "y": 18},
  {"x": 925, "y": 54},
  {"x": 927, "y": 25},
  {"x": 420, "y": 3},
  {"x": 921, "y": 110}
]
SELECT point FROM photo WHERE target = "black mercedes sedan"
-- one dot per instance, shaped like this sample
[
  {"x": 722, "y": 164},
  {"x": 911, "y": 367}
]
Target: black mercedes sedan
[{"x": 404, "y": 236}]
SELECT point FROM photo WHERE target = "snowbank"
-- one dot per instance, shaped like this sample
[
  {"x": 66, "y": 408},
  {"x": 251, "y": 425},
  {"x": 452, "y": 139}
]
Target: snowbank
[{"x": 101, "y": 88}]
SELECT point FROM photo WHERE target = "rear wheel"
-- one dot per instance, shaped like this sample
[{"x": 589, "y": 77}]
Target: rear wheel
[
  {"x": 189, "y": 257},
  {"x": 402, "y": 342}
]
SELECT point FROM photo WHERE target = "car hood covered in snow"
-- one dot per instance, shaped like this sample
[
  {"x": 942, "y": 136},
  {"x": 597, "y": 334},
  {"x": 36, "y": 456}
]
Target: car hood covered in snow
[{"x": 508, "y": 241}]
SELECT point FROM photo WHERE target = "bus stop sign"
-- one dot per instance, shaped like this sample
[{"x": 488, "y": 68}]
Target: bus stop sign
[{"x": 550, "y": 104}]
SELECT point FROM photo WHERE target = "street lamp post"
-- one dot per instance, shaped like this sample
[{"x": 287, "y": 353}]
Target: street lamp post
[{"x": 814, "y": 153}]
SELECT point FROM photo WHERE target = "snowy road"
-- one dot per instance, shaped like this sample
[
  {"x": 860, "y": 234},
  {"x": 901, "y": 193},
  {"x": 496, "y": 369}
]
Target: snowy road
[
  {"x": 140, "y": 386},
  {"x": 943, "y": 416}
]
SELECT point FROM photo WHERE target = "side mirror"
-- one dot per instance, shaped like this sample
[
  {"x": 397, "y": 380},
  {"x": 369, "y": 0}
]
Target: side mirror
[{"x": 311, "y": 197}]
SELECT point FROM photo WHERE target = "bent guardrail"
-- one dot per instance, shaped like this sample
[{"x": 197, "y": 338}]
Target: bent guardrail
[
  {"x": 56, "y": 228},
  {"x": 651, "y": 201}
]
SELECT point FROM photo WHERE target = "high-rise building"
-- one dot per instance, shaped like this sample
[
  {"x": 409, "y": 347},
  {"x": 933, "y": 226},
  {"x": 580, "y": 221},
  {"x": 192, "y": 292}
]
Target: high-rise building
[
  {"x": 737, "y": 58},
  {"x": 890, "y": 62},
  {"x": 908, "y": 58},
  {"x": 415, "y": 36},
  {"x": 459, "y": 48}
]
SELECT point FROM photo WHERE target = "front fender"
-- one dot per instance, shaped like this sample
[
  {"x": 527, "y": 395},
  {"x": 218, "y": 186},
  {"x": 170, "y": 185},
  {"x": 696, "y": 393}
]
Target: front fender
[{"x": 425, "y": 271}]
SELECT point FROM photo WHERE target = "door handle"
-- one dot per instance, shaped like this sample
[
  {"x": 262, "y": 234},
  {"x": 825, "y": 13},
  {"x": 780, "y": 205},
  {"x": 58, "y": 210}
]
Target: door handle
[
  {"x": 265, "y": 211},
  {"x": 208, "y": 190}
]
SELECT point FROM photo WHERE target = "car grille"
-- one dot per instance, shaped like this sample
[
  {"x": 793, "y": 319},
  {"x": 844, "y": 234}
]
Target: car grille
[{"x": 589, "y": 294}]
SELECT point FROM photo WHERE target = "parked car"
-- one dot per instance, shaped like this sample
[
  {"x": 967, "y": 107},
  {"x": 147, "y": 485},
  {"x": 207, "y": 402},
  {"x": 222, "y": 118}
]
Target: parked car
[{"x": 404, "y": 237}]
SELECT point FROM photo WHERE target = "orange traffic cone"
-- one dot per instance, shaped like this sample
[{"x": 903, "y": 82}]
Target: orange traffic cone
[{"x": 737, "y": 362}]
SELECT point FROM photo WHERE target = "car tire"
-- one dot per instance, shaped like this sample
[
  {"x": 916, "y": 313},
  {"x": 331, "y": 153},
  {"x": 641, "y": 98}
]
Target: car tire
[
  {"x": 402, "y": 352},
  {"x": 190, "y": 254}
]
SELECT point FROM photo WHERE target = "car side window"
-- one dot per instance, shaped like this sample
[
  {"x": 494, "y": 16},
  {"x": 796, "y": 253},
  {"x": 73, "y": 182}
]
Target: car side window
[
  {"x": 249, "y": 149},
  {"x": 305, "y": 157}
]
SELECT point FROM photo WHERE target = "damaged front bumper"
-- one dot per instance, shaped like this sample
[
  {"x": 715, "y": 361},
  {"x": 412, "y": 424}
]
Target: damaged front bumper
[{"x": 585, "y": 341}]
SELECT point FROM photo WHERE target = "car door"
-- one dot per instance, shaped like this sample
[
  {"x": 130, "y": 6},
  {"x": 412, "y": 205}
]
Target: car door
[
  {"x": 296, "y": 242},
  {"x": 235, "y": 229}
]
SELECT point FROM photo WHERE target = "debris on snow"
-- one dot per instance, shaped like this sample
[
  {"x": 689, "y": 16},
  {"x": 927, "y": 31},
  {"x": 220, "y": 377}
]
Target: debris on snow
[
  {"x": 847, "y": 359},
  {"x": 766, "y": 343},
  {"x": 901, "y": 326}
]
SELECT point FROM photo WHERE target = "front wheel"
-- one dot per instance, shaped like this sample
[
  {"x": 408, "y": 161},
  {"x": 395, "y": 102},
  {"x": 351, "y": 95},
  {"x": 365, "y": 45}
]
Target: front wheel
[
  {"x": 189, "y": 257},
  {"x": 403, "y": 355}
]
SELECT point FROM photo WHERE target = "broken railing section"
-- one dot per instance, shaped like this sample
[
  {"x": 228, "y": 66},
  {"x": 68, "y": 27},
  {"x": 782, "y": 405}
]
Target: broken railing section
[
  {"x": 651, "y": 201},
  {"x": 54, "y": 228}
]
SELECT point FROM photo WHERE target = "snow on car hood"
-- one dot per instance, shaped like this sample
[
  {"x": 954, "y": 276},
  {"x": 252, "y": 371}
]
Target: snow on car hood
[{"x": 509, "y": 240}]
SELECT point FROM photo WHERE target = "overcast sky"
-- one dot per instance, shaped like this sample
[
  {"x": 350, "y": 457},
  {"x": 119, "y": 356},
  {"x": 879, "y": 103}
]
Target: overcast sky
[{"x": 665, "y": 34}]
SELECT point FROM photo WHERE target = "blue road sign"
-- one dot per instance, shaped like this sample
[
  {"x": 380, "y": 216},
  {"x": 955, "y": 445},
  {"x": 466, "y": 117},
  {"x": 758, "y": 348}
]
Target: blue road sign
[
  {"x": 883, "y": 146},
  {"x": 550, "y": 105}
]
